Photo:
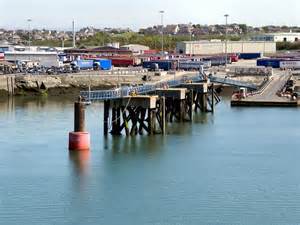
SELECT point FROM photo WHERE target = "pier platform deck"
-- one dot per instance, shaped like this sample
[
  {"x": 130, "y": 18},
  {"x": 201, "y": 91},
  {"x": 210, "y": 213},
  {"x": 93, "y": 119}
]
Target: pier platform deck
[{"x": 269, "y": 95}]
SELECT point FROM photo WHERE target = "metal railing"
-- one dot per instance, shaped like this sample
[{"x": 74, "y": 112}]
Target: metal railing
[
  {"x": 143, "y": 89},
  {"x": 148, "y": 88},
  {"x": 232, "y": 82}
]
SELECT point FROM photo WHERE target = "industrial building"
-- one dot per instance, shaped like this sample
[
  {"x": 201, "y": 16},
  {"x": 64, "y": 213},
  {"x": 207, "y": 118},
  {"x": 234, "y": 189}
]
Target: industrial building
[
  {"x": 136, "y": 48},
  {"x": 277, "y": 37},
  {"x": 101, "y": 51},
  {"x": 46, "y": 59},
  {"x": 219, "y": 47}
]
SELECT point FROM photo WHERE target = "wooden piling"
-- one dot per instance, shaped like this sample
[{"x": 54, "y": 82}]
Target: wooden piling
[
  {"x": 163, "y": 115},
  {"x": 212, "y": 98},
  {"x": 79, "y": 117},
  {"x": 12, "y": 86},
  {"x": 151, "y": 121},
  {"x": 115, "y": 128},
  {"x": 118, "y": 123},
  {"x": 106, "y": 116},
  {"x": 125, "y": 121},
  {"x": 8, "y": 84},
  {"x": 196, "y": 102},
  {"x": 181, "y": 110},
  {"x": 191, "y": 103}
]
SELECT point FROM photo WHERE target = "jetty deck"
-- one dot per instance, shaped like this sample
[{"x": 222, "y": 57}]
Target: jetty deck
[{"x": 269, "y": 95}]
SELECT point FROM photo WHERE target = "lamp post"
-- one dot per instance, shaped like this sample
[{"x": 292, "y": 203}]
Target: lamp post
[
  {"x": 162, "y": 29},
  {"x": 74, "y": 34},
  {"x": 29, "y": 32},
  {"x": 191, "y": 44},
  {"x": 226, "y": 38}
]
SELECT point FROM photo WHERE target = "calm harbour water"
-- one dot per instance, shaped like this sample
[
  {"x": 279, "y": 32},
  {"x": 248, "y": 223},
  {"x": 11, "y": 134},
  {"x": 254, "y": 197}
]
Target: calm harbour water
[{"x": 238, "y": 166}]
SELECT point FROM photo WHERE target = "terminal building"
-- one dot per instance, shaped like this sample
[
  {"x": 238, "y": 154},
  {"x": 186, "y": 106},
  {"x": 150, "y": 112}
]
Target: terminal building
[
  {"x": 219, "y": 47},
  {"x": 278, "y": 37}
]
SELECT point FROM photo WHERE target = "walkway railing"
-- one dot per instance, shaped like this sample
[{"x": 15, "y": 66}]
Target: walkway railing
[
  {"x": 143, "y": 89},
  {"x": 232, "y": 82},
  {"x": 147, "y": 88}
]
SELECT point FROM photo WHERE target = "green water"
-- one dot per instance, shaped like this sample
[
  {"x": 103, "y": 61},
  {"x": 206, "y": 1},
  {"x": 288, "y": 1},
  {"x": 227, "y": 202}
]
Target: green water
[{"x": 238, "y": 166}]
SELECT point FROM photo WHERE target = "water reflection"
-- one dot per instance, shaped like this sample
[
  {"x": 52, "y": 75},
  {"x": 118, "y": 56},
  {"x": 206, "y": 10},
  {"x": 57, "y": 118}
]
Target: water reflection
[
  {"x": 10, "y": 104},
  {"x": 80, "y": 162},
  {"x": 137, "y": 144}
]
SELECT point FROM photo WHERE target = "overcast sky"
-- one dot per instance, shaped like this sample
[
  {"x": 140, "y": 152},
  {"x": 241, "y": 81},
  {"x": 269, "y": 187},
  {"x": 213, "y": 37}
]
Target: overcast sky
[{"x": 135, "y": 14}]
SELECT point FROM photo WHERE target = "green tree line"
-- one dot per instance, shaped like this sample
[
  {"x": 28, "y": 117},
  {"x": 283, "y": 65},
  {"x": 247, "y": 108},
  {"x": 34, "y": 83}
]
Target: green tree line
[{"x": 153, "y": 41}]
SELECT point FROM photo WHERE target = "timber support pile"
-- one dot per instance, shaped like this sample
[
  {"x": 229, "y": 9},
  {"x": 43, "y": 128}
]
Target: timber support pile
[
  {"x": 179, "y": 104},
  {"x": 135, "y": 115}
]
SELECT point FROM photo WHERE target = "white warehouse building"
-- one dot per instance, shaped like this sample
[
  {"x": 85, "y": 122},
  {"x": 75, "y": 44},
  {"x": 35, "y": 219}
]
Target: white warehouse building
[
  {"x": 219, "y": 47},
  {"x": 47, "y": 59},
  {"x": 278, "y": 37},
  {"x": 136, "y": 49}
]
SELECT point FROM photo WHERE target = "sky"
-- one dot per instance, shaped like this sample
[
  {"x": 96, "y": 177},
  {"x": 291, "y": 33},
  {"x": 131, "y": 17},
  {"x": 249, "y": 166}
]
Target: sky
[{"x": 135, "y": 14}]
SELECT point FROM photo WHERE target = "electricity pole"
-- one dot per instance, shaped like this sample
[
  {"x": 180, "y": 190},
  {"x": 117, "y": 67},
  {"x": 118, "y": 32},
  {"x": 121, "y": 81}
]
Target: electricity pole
[
  {"x": 162, "y": 30},
  {"x": 226, "y": 38},
  {"x": 74, "y": 34},
  {"x": 29, "y": 32}
]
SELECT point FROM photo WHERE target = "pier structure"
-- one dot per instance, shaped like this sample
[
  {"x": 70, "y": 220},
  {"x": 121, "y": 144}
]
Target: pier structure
[
  {"x": 150, "y": 114},
  {"x": 147, "y": 109}
]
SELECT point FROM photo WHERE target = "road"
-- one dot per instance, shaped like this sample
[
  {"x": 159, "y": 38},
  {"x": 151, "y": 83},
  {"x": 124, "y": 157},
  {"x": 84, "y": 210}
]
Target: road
[{"x": 270, "y": 93}]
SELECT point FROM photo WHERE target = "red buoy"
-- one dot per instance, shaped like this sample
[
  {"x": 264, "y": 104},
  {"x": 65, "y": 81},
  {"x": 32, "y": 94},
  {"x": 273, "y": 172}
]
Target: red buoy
[{"x": 79, "y": 141}]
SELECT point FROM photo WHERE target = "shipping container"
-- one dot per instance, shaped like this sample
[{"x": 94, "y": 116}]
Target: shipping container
[
  {"x": 269, "y": 62},
  {"x": 123, "y": 62},
  {"x": 250, "y": 55},
  {"x": 193, "y": 65},
  {"x": 162, "y": 65},
  {"x": 217, "y": 61},
  {"x": 102, "y": 64},
  {"x": 290, "y": 64},
  {"x": 150, "y": 52},
  {"x": 83, "y": 64}
]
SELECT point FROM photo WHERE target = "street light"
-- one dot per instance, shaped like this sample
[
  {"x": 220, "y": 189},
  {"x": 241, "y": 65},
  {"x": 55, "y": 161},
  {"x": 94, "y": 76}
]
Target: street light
[
  {"x": 162, "y": 29},
  {"x": 29, "y": 30},
  {"x": 74, "y": 34},
  {"x": 191, "y": 33},
  {"x": 226, "y": 40}
]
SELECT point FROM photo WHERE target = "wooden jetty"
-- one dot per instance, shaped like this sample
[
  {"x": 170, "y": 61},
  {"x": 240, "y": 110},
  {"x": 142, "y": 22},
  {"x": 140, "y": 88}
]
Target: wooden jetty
[
  {"x": 148, "y": 109},
  {"x": 150, "y": 114}
]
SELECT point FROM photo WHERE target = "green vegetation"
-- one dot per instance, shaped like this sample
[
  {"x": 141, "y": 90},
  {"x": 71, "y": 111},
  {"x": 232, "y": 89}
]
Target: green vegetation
[
  {"x": 288, "y": 46},
  {"x": 52, "y": 43},
  {"x": 153, "y": 41}
]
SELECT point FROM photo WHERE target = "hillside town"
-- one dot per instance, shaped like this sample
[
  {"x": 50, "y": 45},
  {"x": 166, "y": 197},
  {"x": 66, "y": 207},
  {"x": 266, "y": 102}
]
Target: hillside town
[{"x": 20, "y": 36}]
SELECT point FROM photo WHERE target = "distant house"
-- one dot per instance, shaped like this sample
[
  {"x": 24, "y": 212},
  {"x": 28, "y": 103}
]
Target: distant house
[
  {"x": 16, "y": 38},
  {"x": 278, "y": 37},
  {"x": 38, "y": 37},
  {"x": 171, "y": 29},
  {"x": 136, "y": 48}
]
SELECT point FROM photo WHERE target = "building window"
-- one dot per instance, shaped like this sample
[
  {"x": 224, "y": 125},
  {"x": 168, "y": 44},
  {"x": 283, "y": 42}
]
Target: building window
[
  {"x": 285, "y": 39},
  {"x": 296, "y": 39}
]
